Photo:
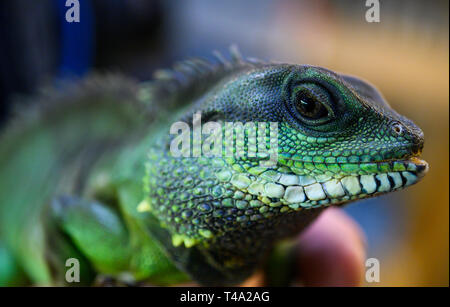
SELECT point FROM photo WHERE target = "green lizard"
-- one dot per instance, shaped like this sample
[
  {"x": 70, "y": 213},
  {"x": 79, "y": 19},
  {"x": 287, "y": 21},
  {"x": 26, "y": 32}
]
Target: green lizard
[{"x": 90, "y": 174}]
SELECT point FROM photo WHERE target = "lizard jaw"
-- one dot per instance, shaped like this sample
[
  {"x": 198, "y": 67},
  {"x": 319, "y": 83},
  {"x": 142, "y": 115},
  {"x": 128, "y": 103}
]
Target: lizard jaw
[
  {"x": 308, "y": 190},
  {"x": 422, "y": 166}
]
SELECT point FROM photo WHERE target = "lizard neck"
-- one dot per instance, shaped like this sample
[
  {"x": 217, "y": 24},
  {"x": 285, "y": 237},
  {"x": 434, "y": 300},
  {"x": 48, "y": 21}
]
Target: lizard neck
[{"x": 238, "y": 253}]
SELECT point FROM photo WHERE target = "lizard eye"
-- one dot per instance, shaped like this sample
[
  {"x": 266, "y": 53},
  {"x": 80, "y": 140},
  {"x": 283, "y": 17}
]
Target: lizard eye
[
  {"x": 309, "y": 107},
  {"x": 311, "y": 103}
]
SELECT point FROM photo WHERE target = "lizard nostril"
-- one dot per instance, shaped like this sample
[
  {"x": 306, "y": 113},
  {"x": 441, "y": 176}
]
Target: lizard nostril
[
  {"x": 417, "y": 144},
  {"x": 417, "y": 148}
]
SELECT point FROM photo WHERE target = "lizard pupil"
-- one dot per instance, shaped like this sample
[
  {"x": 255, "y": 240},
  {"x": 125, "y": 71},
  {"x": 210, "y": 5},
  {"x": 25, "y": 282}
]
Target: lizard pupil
[
  {"x": 310, "y": 108},
  {"x": 307, "y": 106}
]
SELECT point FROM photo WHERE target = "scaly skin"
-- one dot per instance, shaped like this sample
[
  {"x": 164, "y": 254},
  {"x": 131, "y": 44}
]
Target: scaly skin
[{"x": 217, "y": 218}]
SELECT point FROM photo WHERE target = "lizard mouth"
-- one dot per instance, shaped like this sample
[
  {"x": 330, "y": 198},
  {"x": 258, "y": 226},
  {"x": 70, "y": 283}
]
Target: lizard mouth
[
  {"x": 401, "y": 174},
  {"x": 416, "y": 166},
  {"x": 298, "y": 190}
]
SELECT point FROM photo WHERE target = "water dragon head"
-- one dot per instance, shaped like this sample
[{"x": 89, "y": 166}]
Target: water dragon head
[{"x": 337, "y": 140}]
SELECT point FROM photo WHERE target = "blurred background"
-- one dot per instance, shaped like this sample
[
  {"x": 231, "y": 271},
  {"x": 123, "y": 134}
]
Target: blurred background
[{"x": 406, "y": 55}]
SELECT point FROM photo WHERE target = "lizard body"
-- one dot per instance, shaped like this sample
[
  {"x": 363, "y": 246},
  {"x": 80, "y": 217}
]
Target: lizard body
[{"x": 92, "y": 175}]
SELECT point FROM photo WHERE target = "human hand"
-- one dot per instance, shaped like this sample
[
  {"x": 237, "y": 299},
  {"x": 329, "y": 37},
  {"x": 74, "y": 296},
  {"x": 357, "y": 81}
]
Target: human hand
[{"x": 330, "y": 252}]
